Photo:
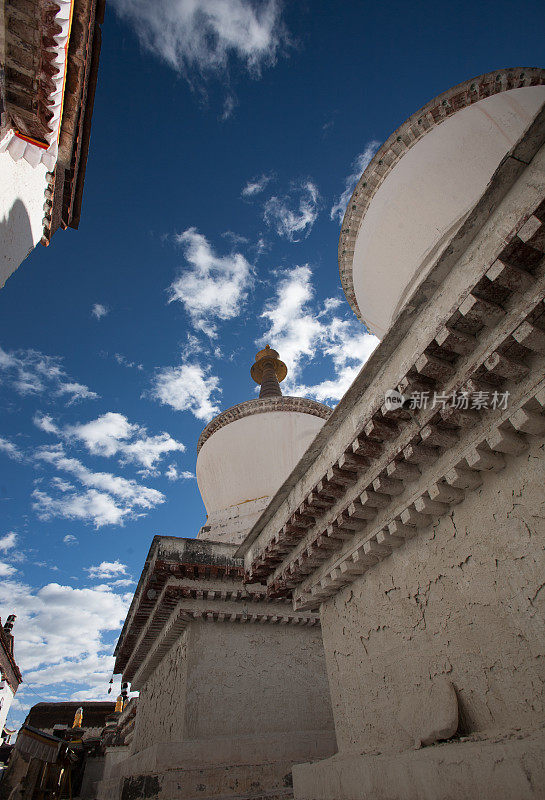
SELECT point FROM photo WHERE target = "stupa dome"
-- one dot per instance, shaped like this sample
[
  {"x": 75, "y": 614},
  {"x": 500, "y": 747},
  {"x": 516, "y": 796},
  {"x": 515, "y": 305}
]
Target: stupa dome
[
  {"x": 420, "y": 186},
  {"x": 247, "y": 451}
]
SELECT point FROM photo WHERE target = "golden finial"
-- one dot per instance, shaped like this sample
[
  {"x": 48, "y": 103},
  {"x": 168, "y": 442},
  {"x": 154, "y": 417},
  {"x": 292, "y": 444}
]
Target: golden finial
[
  {"x": 119, "y": 704},
  {"x": 78, "y": 718},
  {"x": 269, "y": 371}
]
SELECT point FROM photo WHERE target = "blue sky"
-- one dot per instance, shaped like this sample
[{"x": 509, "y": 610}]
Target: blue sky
[{"x": 225, "y": 143}]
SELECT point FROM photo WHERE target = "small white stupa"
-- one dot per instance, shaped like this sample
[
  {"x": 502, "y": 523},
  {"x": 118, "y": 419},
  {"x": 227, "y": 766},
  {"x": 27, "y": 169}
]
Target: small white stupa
[{"x": 247, "y": 452}]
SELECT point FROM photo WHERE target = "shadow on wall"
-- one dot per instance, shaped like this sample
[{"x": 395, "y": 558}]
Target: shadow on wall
[{"x": 16, "y": 241}]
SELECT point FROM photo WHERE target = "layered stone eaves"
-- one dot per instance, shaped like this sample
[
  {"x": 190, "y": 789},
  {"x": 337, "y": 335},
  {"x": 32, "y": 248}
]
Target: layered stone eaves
[
  {"x": 491, "y": 338},
  {"x": 408, "y": 134},
  {"x": 244, "y": 609},
  {"x": 171, "y": 557},
  {"x": 178, "y": 587},
  {"x": 442, "y": 486}
]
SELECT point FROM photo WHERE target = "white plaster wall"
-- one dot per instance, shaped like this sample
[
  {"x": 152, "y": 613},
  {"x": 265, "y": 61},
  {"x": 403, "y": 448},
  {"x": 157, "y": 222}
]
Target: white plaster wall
[
  {"x": 235, "y": 680},
  {"x": 6, "y": 699},
  {"x": 425, "y": 198},
  {"x": 251, "y": 457},
  {"x": 232, "y": 524},
  {"x": 22, "y": 198},
  {"x": 464, "y": 599}
]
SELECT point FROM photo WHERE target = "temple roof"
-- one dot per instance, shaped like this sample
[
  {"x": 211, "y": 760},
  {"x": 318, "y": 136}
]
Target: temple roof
[
  {"x": 45, "y": 716},
  {"x": 52, "y": 54}
]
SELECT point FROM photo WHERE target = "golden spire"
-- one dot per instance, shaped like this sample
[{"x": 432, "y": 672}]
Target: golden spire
[
  {"x": 78, "y": 718},
  {"x": 268, "y": 371}
]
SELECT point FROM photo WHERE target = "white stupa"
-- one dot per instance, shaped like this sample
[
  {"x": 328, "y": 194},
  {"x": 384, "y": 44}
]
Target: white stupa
[
  {"x": 247, "y": 452},
  {"x": 418, "y": 190}
]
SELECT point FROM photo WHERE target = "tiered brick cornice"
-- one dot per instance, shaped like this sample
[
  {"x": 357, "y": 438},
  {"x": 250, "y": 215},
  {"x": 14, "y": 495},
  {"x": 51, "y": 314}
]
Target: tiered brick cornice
[
  {"x": 406, "y": 468},
  {"x": 153, "y": 587},
  {"x": 262, "y": 406},
  {"x": 407, "y": 135},
  {"x": 174, "y": 592}
]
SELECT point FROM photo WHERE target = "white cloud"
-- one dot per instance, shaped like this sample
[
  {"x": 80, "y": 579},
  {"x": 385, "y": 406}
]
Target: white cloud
[
  {"x": 124, "y": 362},
  {"x": 107, "y": 569},
  {"x": 8, "y": 542},
  {"x": 112, "y": 434},
  {"x": 294, "y": 214},
  {"x": 61, "y": 636},
  {"x": 358, "y": 166},
  {"x": 200, "y": 36},
  {"x": 98, "y": 311},
  {"x": 212, "y": 287},
  {"x": 173, "y": 474},
  {"x": 10, "y": 449},
  {"x": 256, "y": 186},
  {"x": 229, "y": 105},
  {"x": 300, "y": 331},
  {"x": 6, "y": 570},
  {"x": 69, "y": 539},
  {"x": 294, "y": 330},
  {"x": 188, "y": 387},
  {"x": 31, "y": 372},
  {"x": 106, "y": 500},
  {"x": 46, "y": 423},
  {"x": 103, "y": 436}
]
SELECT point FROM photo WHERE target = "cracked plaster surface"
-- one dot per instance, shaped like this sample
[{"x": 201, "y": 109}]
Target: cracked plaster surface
[{"x": 463, "y": 599}]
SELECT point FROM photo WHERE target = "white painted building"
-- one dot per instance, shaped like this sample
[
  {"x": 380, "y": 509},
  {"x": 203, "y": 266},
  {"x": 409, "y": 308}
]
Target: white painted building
[
  {"x": 10, "y": 676},
  {"x": 48, "y": 71}
]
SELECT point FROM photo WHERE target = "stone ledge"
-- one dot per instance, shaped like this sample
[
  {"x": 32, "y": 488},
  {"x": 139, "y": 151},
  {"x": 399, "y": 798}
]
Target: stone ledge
[{"x": 501, "y": 767}]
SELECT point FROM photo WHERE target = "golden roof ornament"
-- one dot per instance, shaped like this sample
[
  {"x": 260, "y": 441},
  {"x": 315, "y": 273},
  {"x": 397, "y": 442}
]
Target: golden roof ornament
[
  {"x": 269, "y": 371},
  {"x": 78, "y": 718}
]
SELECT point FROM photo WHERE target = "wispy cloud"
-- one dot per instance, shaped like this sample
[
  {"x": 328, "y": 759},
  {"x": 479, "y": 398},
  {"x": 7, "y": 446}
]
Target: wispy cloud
[
  {"x": 294, "y": 214},
  {"x": 229, "y": 105},
  {"x": 188, "y": 387},
  {"x": 98, "y": 310},
  {"x": 29, "y": 372},
  {"x": 174, "y": 474},
  {"x": 124, "y": 362},
  {"x": 212, "y": 287},
  {"x": 8, "y": 541},
  {"x": 358, "y": 165},
  {"x": 198, "y": 37},
  {"x": 256, "y": 185},
  {"x": 112, "y": 434},
  {"x": 107, "y": 569},
  {"x": 70, "y": 539},
  {"x": 105, "y": 499},
  {"x": 300, "y": 330},
  {"x": 9, "y": 449}
]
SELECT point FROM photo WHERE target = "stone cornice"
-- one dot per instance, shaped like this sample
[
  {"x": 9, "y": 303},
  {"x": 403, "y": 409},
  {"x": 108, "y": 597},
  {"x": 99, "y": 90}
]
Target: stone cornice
[
  {"x": 184, "y": 580},
  {"x": 375, "y": 493},
  {"x": 170, "y": 556},
  {"x": 182, "y": 601},
  {"x": 409, "y": 133},
  {"x": 263, "y": 405}
]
